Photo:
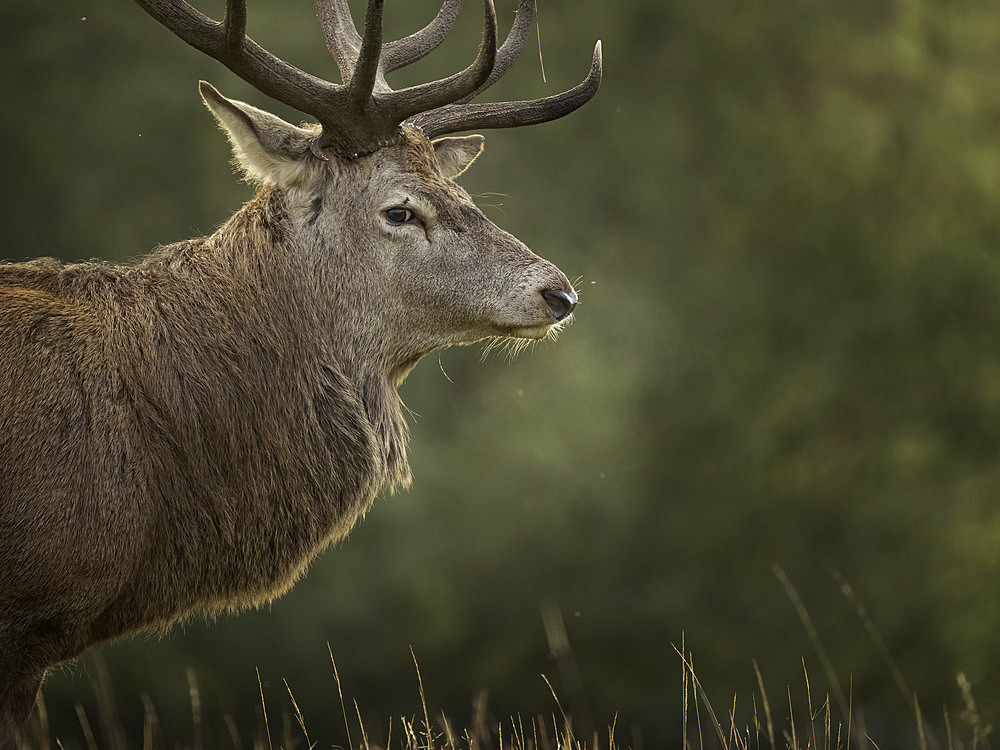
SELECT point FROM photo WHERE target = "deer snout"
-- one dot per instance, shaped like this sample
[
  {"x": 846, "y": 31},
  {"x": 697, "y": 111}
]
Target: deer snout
[{"x": 560, "y": 303}]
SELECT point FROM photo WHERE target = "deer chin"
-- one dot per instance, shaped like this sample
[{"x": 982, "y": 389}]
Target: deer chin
[
  {"x": 534, "y": 332},
  {"x": 531, "y": 332}
]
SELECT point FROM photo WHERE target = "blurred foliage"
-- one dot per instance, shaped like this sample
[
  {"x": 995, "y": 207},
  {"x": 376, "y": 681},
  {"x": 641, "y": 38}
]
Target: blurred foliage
[{"x": 786, "y": 216}]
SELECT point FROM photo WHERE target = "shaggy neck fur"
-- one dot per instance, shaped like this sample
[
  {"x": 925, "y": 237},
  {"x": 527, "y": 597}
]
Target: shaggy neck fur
[{"x": 262, "y": 288}]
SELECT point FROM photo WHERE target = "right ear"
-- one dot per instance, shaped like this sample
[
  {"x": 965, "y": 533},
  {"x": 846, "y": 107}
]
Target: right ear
[
  {"x": 455, "y": 154},
  {"x": 268, "y": 149}
]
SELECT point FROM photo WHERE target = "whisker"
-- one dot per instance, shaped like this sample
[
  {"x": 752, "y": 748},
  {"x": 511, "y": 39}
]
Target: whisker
[{"x": 441, "y": 365}]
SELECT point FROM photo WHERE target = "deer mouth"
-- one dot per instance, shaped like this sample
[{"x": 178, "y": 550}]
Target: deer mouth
[
  {"x": 535, "y": 331},
  {"x": 558, "y": 313},
  {"x": 530, "y": 332}
]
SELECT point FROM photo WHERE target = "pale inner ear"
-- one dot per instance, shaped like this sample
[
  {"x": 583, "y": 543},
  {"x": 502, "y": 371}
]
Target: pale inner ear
[
  {"x": 455, "y": 154},
  {"x": 268, "y": 149}
]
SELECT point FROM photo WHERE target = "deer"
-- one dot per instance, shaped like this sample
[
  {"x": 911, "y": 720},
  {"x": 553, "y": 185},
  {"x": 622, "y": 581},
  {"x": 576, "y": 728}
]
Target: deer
[{"x": 183, "y": 434}]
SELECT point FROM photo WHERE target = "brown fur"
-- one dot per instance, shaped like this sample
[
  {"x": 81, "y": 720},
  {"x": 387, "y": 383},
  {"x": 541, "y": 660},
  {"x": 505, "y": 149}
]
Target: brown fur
[{"x": 185, "y": 434}]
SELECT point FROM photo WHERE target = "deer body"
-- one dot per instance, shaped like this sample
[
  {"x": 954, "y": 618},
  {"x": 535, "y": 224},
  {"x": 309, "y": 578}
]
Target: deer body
[{"x": 185, "y": 434}]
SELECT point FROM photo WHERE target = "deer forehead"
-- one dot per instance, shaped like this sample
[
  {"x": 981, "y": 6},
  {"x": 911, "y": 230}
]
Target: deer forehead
[
  {"x": 413, "y": 156},
  {"x": 409, "y": 169}
]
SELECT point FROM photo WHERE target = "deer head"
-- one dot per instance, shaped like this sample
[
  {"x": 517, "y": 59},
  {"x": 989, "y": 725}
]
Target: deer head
[{"x": 370, "y": 190}]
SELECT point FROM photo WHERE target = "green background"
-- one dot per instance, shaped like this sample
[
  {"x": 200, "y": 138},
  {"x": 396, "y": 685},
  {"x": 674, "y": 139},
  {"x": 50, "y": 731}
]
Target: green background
[{"x": 785, "y": 217}]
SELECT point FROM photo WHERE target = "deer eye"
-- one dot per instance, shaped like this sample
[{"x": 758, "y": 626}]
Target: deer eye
[{"x": 399, "y": 215}]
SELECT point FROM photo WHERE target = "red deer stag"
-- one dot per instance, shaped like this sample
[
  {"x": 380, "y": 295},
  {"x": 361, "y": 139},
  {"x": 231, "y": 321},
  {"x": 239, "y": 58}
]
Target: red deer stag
[{"x": 186, "y": 433}]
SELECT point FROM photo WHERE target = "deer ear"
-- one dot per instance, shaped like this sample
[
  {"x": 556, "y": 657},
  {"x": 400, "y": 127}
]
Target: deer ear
[
  {"x": 268, "y": 149},
  {"x": 454, "y": 155}
]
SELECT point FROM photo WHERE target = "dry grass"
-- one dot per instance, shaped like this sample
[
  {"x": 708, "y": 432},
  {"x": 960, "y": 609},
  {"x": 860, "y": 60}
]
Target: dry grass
[{"x": 830, "y": 721}]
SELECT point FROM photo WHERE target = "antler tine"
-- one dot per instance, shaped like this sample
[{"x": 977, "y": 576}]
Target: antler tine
[
  {"x": 511, "y": 48},
  {"x": 456, "y": 117},
  {"x": 427, "y": 96},
  {"x": 367, "y": 67},
  {"x": 247, "y": 59},
  {"x": 409, "y": 49},
  {"x": 342, "y": 38},
  {"x": 235, "y": 25},
  {"x": 190, "y": 24}
]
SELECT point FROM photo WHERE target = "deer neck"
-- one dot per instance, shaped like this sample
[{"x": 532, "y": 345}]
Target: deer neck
[
  {"x": 254, "y": 300},
  {"x": 326, "y": 323}
]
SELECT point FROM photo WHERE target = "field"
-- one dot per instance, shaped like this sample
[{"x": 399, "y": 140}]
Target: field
[{"x": 814, "y": 712}]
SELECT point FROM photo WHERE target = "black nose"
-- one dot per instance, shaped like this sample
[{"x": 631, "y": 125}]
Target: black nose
[{"x": 560, "y": 304}]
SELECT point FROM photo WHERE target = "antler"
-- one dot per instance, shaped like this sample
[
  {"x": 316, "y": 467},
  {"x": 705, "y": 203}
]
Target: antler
[
  {"x": 460, "y": 116},
  {"x": 344, "y": 43},
  {"x": 364, "y": 112}
]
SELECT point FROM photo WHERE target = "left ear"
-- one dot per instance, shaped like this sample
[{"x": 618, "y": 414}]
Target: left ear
[
  {"x": 454, "y": 155},
  {"x": 268, "y": 149}
]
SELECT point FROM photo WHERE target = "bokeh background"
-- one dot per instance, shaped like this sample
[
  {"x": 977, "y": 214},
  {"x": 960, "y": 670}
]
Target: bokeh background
[{"x": 785, "y": 217}]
